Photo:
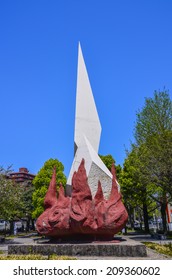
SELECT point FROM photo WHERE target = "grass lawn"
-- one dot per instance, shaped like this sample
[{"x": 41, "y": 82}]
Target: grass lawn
[{"x": 35, "y": 257}]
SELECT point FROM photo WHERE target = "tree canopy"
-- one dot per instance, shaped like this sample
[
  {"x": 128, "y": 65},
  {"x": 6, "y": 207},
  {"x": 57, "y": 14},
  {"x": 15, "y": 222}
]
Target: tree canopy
[
  {"x": 28, "y": 189},
  {"x": 108, "y": 160},
  {"x": 155, "y": 117},
  {"x": 152, "y": 152},
  {"x": 42, "y": 181},
  {"x": 11, "y": 197}
]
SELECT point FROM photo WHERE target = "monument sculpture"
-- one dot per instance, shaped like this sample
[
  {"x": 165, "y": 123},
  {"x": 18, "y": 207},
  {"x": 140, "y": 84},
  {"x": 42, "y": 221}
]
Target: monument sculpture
[
  {"x": 92, "y": 207},
  {"x": 81, "y": 216},
  {"x": 87, "y": 135}
]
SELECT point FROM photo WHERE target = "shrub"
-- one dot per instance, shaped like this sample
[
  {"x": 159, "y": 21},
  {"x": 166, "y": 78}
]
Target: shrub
[{"x": 165, "y": 249}]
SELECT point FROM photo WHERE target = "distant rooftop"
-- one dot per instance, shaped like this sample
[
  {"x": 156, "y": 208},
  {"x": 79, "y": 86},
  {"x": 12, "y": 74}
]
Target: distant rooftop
[{"x": 22, "y": 175}]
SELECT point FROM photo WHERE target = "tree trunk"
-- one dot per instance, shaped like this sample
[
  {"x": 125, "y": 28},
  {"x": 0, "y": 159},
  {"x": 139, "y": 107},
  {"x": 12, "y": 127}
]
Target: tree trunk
[
  {"x": 145, "y": 217},
  {"x": 163, "y": 215},
  {"x": 140, "y": 220},
  {"x": 27, "y": 224},
  {"x": 33, "y": 225},
  {"x": 11, "y": 227},
  {"x": 130, "y": 216}
]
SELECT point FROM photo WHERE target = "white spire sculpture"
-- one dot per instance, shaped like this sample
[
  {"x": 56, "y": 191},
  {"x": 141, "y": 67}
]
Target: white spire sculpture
[
  {"x": 86, "y": 118},
  {"x": 87, "y": 135}
]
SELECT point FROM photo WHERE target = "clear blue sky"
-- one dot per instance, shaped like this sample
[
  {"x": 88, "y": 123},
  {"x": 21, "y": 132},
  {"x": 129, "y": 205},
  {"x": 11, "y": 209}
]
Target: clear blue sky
[{"x": 127, "y": 46}]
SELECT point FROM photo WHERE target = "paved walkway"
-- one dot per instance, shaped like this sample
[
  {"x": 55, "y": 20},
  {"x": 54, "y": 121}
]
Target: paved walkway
[
  {"x": 147, "y": 238},
  {"x": 152, "y": 255},
  {"x": 27, "y": 239}
]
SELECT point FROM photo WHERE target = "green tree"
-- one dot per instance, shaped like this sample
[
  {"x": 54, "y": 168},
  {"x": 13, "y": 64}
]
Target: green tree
[
  {"x": 134, "y": 188},
  {"x": 108, "y": 160},
  {"x": 157, "y": 169},
  {"x": 42, "y": 181},
  {"x": 11, "y": 198},
  {"x": 153, "y": 135},
  {"x": 128, "y": 183},
  {"x": 154, "y": 118},
  {"x": 27, "y": 194}
]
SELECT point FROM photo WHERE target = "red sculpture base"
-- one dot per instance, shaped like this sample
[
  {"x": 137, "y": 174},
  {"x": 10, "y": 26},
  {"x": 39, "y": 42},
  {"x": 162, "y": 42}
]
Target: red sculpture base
[{"x": 81, "y": 216}]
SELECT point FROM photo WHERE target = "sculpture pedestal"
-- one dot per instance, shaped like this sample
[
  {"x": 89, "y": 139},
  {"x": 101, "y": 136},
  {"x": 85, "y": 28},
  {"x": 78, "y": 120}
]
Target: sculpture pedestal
[{"x": 124, "y": 248}]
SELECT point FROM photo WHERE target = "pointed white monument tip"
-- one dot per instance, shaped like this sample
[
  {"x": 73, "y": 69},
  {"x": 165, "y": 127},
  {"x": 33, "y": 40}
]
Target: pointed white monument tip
[
  {"x": 79, "y": 48},
  {"x": 86, "y": 116}
]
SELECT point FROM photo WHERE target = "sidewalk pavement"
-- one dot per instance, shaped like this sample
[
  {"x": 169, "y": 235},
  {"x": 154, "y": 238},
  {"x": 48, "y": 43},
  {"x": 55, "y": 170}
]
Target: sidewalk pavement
[{"x": 151, "y": 255}]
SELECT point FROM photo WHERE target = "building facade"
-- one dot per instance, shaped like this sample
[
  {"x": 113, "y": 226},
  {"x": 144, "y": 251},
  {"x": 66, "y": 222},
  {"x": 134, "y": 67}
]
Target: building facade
[{"x": 22, "y": 175}]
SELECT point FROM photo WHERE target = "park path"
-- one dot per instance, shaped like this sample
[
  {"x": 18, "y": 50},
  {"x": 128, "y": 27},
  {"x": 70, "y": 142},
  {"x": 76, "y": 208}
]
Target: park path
[{"x": 152, "y": 255}]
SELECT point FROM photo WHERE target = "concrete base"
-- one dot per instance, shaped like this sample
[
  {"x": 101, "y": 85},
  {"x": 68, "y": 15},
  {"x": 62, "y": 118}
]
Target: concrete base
[{"x": 127, "y": 248}]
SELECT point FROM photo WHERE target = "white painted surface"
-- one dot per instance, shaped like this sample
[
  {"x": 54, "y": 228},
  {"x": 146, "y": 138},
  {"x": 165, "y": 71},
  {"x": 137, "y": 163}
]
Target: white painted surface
[
  {"x": 95, "y": 168},
  {"x": 86, "y": 116},
  {"x": 87, "y": 135}
]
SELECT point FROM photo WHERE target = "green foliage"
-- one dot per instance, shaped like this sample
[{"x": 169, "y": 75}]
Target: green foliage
[
  {"x": 158, "y": 163},
  {"x": 108, "y": 160},
  {"x": 146, "y": 178},
  {"x": 129, "y": 181},
  {"x": 136, "y": 193},
  {"x": 36, "y": 257},
  {"x": 165, "y": 249},
  {"x": 155, "y": 117},
  {"x": 42, "y": 181},
  {"x": 154, "y": 137},
  {"x": 134, "y": 183},
  {"x": 11, "y": 197},
  {"x": 28, "y": 190},
  {"x": 22, "y": 257}
]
